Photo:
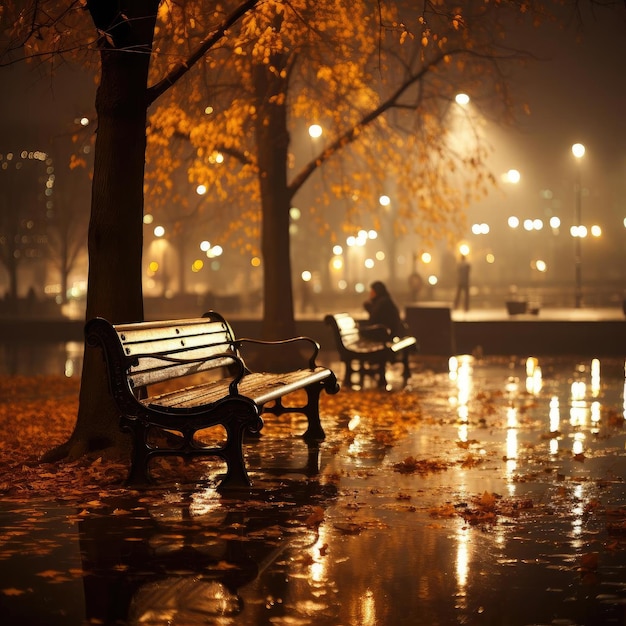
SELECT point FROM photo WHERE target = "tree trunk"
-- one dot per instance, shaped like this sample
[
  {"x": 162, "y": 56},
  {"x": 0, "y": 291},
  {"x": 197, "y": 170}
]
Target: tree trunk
[
  {"x": 181, "y": 247},
  {"x": 273, "y": 147},
  {"x": 64, "y": 264},
  {"x": 116, "y": 223},
  {"x": 12, "y": 271}
]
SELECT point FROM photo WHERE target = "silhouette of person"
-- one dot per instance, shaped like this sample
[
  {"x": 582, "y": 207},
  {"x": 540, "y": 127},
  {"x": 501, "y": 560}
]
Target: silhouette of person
[
  {"x": 383, "y": 310},
  {"x": 463, "y": 283},
  {"x": 416, "y": 282}
]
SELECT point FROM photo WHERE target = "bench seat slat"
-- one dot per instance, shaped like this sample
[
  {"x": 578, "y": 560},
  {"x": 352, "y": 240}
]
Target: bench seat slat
[
  {"x": 260, "y": 387},
  {"x": 365, "y": 346}
]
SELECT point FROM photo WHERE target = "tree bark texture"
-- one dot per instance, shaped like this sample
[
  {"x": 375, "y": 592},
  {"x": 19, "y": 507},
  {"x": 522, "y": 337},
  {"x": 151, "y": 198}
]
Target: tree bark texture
[
  {"x": 116, "y": 222},
  {"x": 273, "y": 147}
]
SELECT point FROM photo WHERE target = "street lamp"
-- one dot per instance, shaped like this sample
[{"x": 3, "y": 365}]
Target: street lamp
[
  {"x": 315, "y": 131},
  {"x": 578, "y": 150}
]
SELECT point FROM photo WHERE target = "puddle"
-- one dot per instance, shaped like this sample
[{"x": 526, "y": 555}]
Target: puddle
[{"x": 493, "y": 500}]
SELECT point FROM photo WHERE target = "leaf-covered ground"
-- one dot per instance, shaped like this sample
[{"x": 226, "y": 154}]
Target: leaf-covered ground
[
  {"x": 39, "y": 413},
  {"x": 460, "y": 480}
]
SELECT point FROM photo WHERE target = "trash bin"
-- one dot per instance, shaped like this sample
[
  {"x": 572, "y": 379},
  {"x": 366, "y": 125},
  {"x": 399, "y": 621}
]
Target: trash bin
[{"x": 432, "y": 325}]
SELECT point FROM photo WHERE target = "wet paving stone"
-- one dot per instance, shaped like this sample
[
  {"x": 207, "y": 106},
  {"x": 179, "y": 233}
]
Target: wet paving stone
[{"x": 488, "y": 492}]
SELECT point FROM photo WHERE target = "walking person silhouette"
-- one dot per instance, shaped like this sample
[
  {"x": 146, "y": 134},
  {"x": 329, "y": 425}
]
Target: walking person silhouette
[{"x": 462, "y": 283}]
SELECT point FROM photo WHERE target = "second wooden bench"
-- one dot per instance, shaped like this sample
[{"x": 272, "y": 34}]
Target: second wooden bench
[{"x": 371, "y": 352}]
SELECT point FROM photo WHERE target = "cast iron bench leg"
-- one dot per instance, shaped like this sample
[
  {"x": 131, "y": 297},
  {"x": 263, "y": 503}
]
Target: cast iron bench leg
[
  {"x": 139, "y": 473},
  {"x": 239, "y": 416},
  {"x": 347, "y": 378},
  {"x": 406, "y": 374},
  {"x": 314, "y": 431}
]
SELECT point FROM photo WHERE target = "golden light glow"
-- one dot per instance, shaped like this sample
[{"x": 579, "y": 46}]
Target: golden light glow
[
  {"x": 513, "y": 176},
  {"x": 367, "y": 609},
  {"x": 354, "y": 422},
  {"x": 578, "y": 447},
  {"x": 462, "y": 560},
  {"x": 595, "y": 378},
  {"x": 554, "y": 415},
  {"x": 315, "y": 131}
]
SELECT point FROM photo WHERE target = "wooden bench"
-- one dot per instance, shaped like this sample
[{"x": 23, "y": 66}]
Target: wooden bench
[
  {"x": 142, "y": 354},
  {"x": 371, "y": 353}
]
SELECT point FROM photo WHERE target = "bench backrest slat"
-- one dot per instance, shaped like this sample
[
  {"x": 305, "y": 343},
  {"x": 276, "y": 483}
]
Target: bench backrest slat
[
  {"x": 167, "y": 344},
  {"x": 347, "y": 328},
  {"x": 154, "y": 370},
  {"x": 191, "y": 340}
]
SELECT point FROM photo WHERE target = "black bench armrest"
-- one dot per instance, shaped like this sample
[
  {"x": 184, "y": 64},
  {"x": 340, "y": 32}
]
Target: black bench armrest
[{"x": 315, "y": 347}]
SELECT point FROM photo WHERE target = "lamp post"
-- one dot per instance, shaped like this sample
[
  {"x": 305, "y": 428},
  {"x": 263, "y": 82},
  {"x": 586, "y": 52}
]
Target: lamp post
[{"x": 578, "y": 150}]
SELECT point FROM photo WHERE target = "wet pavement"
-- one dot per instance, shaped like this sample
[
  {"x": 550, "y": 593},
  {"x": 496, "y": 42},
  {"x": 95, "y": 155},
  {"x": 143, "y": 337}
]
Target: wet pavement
[{"x": 488, "y": 492}]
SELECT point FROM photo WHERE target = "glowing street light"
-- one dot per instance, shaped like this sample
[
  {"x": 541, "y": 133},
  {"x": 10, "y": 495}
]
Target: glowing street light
[
  {"x": 513, "y": 177},
  {"x": 480, "y": 229},
  {"x": 578, "y": 150},
  {"x": 315, "y": 131}
]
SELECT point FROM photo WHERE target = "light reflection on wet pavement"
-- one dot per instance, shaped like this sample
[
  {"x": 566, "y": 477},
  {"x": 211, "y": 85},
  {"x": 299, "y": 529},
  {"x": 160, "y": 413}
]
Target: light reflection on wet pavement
[{"x": 503, "y": 504}]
